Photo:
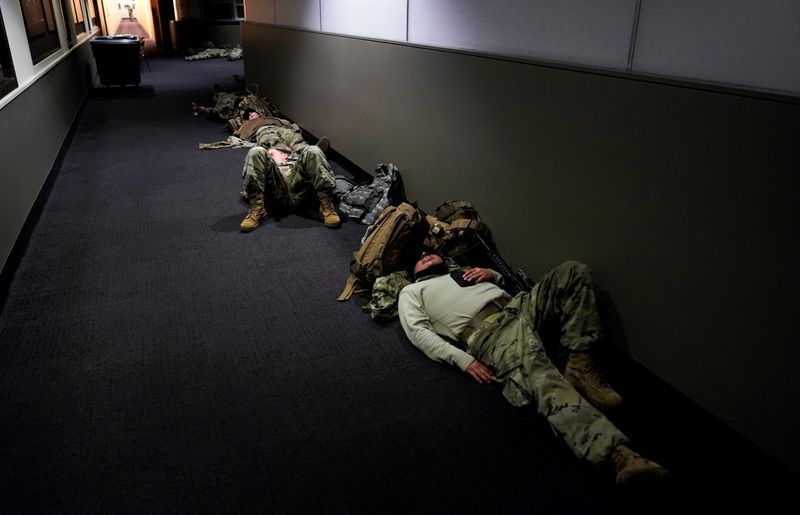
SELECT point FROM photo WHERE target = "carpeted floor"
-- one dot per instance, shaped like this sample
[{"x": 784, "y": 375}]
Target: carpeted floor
[
  {"x": 132, "y": 27},
  {"x": 156, "y": 360}
]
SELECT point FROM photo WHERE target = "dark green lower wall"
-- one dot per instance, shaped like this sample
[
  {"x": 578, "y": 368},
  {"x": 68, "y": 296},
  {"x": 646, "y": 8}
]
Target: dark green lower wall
[
  {"x": 683, "y": 200},
  {"x": 33, "y": 127}
]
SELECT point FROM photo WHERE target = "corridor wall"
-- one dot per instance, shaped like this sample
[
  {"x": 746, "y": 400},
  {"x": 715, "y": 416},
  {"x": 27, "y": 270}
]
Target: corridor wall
[
  {"x": 34, "y": 126},
  {"x": 682, "y": 198},
  {"x": 752, "y": 45}
]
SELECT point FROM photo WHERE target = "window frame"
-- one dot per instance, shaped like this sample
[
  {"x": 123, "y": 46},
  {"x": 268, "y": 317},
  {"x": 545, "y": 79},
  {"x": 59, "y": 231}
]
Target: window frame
[
  {"x": 26, "y": 71},
  {"x": 49, "y": 29},
  {"x": 7, "y": 84}
]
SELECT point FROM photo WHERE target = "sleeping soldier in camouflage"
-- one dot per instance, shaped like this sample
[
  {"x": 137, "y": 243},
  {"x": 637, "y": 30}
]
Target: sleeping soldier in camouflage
[
  {"x": 233, "y": 54},
  {"x": 251, "y": 103},
  {"x": 470, "y": 322},
  {"x": 225, "y": 105},
  {"x": 287, "y": 174},
  {"x": 230, "y": 106}
]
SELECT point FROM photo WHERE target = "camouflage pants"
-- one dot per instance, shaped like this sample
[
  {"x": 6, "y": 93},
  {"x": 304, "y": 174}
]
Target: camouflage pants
[
  {"x": 509, "y": 343},
  {"x": 225, "y": 105},
  {"x": 289, "y": 184}
]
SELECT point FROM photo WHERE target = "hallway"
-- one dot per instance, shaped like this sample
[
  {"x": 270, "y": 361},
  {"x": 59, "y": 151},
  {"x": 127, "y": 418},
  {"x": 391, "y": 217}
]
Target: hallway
[
  {"x": 154, "y": 359},
  {"x": 132, "y": 27}
]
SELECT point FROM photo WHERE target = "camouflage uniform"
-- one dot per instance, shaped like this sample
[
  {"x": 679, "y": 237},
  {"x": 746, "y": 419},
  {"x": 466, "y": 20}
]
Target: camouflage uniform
[
  {"x": 235, "y": 54},
  {"x": 508, "y": 342},
  {"x": 383, "y": 302},
  {"x": 232, "y": 105},
  {"x": 232, "y": 54},
  {"x": 289, "y": 139},
  {"x": 290, "y": 183},
  {"x": 257, "y": 104},
  {"x": 225, "y": 105}
]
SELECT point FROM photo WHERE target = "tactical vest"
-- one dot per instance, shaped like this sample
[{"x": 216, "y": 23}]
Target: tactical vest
[
  {"x": 453, "y": 228},
  {"x": 365, "y": 202}
]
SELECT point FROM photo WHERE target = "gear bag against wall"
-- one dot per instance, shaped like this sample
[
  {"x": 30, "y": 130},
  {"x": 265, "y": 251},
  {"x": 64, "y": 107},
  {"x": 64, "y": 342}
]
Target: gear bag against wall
[
  {"x": 453, "y": 230},
  {"x": 343, "y": 186},
  {"x": 458, "y": 233},
  {"x": 391, "y": 243},
  {"x": 365, "y": 202}
]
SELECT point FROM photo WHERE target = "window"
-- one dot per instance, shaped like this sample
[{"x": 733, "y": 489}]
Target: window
[
  {"x": 78, "y": 17},
  {"x": 94, "y": 14},
  {"x": 8, "y": 80},
  {"x": 72, "y": 10},
  {"x": 40, "y": 26}
]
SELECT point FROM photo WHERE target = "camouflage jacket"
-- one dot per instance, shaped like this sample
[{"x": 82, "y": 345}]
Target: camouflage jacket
[
  {"x": 383, "y": 304},
  {"x": 288, "y": 139}
]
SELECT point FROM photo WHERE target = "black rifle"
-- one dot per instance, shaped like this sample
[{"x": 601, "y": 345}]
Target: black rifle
[{"x": 515, "y": 280}]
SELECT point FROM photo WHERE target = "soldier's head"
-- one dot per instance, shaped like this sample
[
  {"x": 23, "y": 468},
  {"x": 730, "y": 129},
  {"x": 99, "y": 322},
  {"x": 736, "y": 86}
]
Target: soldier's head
[
  {"x": 250, "y": 114},
  {"x": 429, "y": 263}
]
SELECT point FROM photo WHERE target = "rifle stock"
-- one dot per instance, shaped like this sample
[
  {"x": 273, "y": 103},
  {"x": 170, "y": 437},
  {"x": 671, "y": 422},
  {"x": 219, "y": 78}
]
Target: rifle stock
[{"x": 517, "y": 280}]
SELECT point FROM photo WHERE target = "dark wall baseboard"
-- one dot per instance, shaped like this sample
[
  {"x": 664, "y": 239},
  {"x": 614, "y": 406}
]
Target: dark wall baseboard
[{"x": 21, "y": 244}]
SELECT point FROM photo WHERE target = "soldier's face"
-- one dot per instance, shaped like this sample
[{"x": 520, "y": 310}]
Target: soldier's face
[{"x": 426, "y": 261}]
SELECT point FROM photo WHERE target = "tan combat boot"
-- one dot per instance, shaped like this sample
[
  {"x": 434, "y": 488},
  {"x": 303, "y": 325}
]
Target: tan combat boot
[
  {"x": 631, "y": 467},
  {"x": 256, "y": 215},
  {"x": 327, "y": 210},
  {"x": 582, "y": 373}
]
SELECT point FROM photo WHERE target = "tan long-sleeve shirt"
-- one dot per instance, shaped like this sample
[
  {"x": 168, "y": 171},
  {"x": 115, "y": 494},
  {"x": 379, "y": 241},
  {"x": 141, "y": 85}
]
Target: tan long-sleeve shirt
[{"x": 436, "y": 310}]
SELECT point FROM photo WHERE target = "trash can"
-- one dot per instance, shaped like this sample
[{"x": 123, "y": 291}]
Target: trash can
[{"x": 118, "y": 59}]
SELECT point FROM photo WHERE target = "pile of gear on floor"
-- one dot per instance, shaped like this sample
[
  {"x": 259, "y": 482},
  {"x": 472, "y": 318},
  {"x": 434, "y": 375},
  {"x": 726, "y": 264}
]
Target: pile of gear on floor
[
  {"x": 251, "y": 118},
  {"x": 397, "y": 233},
  {"x": 397, "y": 230}
]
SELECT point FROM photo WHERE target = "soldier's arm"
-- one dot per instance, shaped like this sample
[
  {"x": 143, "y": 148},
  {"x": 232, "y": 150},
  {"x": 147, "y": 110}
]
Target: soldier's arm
[{"x": 418, "y": 328}]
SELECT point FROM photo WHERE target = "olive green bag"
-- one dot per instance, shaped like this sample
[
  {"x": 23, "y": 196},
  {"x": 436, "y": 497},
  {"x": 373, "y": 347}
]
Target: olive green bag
[{"x": 453, "y": 229}]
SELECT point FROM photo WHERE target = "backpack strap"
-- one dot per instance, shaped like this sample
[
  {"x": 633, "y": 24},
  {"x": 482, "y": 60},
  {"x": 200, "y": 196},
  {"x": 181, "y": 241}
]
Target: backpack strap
[{"x": 349, "y": 287}]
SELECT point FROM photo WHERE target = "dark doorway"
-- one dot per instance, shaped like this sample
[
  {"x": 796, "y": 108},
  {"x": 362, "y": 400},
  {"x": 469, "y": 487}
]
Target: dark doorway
[{"x": 163, "y": 12}]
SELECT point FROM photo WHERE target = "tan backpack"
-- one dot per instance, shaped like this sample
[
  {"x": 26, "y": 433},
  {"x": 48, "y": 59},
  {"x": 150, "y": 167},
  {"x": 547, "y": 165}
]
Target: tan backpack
[{"x": 389, "y": 245}]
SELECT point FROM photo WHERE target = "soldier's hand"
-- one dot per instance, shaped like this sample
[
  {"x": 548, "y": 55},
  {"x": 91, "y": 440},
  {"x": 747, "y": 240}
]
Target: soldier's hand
[
  {"x": 478, "y": 275},
  {"x": 279, "y": 156},
  {"x": 479, "y": 372}
]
